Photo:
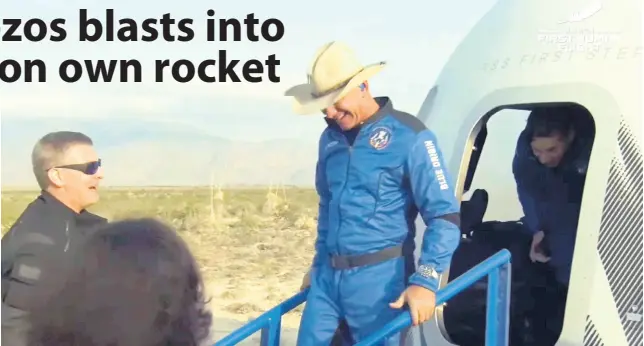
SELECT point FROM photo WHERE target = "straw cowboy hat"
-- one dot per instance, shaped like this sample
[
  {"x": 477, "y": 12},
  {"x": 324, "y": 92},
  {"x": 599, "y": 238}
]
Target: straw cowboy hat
[{"x": 334, "y": 72}]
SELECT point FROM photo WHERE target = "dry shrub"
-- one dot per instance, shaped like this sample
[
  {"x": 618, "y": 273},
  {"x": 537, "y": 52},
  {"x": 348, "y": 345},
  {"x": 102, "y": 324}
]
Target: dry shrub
[{"x": 253, "y": 247}]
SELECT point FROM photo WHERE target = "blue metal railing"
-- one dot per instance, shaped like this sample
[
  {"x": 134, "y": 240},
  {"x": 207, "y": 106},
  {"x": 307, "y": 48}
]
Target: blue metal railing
[
  {"x": 269, "y": 322},
  {"x": 497, "y": 268}
]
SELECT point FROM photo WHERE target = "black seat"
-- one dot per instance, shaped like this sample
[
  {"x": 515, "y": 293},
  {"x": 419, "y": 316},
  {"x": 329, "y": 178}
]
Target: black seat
[{"x": 473, "y": 211}]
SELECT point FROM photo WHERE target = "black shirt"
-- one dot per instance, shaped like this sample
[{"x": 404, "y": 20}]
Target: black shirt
[{"x": 37, "y": 249}]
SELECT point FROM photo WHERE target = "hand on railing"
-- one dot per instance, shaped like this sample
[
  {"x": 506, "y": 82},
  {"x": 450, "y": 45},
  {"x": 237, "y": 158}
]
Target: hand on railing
[
  {"x": 421, "y": 303},
  {"x": 497, "y": 267},
  {"x": 306, "y": 280}
]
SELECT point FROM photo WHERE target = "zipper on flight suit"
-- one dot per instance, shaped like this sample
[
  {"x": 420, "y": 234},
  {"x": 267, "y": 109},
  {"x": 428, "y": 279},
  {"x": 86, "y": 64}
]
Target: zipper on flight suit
[
  {"x": 340, "y": 276},
  {"x": 344, "y": 187}
]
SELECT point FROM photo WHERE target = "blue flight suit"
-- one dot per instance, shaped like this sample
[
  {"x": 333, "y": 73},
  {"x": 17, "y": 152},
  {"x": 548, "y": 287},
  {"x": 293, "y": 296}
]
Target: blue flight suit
[
  {"x": 372, "y": 183},
  {"x": 551, "y": 198}
]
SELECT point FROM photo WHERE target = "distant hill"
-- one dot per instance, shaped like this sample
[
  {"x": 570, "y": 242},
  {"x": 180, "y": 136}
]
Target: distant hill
[{"x": 148, "y": 153}]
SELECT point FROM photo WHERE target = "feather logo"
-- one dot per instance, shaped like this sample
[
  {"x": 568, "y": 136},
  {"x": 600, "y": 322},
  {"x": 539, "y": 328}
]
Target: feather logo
[{"x": 584, "y": 14}]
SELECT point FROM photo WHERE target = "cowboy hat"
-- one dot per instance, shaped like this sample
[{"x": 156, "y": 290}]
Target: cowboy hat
[{"x": 334, "y": 72}]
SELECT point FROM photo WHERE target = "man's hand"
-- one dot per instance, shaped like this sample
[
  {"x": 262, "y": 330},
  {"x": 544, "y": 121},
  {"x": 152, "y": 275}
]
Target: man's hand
[
  {"x": 306, "y": 280},
  {"x": 536, "y": 253},
  {"x": 421, "y": 301}
]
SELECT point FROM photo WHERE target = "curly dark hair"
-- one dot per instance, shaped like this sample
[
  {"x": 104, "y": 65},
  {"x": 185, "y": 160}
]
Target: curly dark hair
[{"x": 133, "y": 283}]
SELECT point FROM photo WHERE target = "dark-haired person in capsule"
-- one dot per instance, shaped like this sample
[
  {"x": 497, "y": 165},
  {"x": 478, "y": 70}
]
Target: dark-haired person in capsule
[
  {"x": 142, "y": 278},
  {"x": 378, "y": 169},
  {"x": 37, "y": 248},
  {"x": 549, "y": 168}
]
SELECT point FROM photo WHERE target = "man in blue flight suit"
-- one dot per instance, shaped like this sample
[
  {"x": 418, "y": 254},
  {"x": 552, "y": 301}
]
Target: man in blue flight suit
[
  {"x": 550, "y": 171},
  {"x": 378, "y": 168}
]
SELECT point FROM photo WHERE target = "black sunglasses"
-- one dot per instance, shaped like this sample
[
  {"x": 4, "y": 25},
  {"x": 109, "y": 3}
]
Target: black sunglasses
[{"x": 89, "y": 168}]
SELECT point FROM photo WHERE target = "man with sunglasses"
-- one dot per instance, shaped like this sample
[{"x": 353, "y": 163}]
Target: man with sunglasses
[
  {"x": 378, "y": 168},
  {"x": 36, "y": 249}
]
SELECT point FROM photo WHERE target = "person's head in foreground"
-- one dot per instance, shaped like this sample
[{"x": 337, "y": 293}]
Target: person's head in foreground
[
  {"x": 67, "y": 166},
  {"x": 337, "y": 86},
  {"x": 134, "y": 283},
  {"x": 552, "y": 132}
]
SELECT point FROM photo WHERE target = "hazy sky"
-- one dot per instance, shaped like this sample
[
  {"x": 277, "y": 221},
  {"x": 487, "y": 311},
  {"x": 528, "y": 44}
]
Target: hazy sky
[{"x": 415, "y": 39}]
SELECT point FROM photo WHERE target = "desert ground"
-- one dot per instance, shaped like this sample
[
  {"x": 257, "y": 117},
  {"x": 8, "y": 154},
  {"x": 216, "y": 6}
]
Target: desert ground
[{"x": 253, "y": 245}]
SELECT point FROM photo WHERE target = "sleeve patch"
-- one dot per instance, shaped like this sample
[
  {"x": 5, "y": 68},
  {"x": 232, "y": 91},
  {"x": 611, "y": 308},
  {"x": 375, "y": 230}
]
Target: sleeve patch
[
  {"x": 28, "y": 272},
  {"x": 39, "y": 238}
]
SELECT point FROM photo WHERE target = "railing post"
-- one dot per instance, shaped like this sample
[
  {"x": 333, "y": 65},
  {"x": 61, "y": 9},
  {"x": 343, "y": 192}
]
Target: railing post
[
  {"x": 498, "y": 306},
  {"x": 271, "y": 331},
  {"x": 497, "y": 268},
  {"x": 269, "y": 322},
  {"x": 498, "y": 263}
]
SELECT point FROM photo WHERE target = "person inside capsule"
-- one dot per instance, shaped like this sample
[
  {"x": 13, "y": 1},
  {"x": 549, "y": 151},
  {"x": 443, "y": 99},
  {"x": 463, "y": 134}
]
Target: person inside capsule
[{"x": 549, "y": 168}]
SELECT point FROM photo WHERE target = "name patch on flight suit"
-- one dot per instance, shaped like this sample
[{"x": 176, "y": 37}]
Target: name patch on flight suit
[{"x": 436, "y": 163}]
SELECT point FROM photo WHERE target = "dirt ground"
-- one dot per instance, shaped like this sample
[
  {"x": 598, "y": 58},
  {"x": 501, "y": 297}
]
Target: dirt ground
[{"x": 253, "y": 245}]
